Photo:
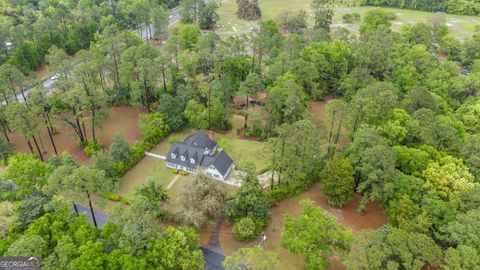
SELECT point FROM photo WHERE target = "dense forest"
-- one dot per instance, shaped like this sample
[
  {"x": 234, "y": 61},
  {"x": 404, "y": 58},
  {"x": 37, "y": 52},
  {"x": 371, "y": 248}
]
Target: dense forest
[
  {"x": 460, "y": 7},
  {"x": 412, "y": 117},
  {"x": 28, "y": 29}
]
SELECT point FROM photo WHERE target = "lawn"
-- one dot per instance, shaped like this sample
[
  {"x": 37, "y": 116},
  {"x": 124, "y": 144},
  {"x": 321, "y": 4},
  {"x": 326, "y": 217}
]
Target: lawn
[
  {"x": 460, "y": 26},
  {"x": 154, "y": 168},
  {"x": 150, "y": 167}
]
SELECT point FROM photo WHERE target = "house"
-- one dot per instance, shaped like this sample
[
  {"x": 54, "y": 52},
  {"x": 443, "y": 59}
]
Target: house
[
  {"x": 198, "y": 150},
  {"x": 241, "y": 101}
]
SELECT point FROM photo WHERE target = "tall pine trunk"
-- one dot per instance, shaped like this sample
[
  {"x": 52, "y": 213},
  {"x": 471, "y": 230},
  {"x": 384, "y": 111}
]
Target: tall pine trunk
[
  {"x": 93, "y": 122},
  {"x": 49, "y": 130},
  {"x": 38, "y": 148},
  {"x": 246, "y": 111},
  {"x": 75, "y": 207},
  {"x": 91, "y": 209}
]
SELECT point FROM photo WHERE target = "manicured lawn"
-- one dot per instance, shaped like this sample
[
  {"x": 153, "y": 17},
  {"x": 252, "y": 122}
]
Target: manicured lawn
[
  {"x": 154, "y": 168},
  {"x": 245, "y": 150},
  {"x": 460, "y": 26},
  {"x": 150, "y": 167}
]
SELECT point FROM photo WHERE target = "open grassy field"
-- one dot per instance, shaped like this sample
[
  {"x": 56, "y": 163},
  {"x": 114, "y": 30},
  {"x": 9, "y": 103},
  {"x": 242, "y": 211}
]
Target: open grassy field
[{"x": 460, "y": 26}]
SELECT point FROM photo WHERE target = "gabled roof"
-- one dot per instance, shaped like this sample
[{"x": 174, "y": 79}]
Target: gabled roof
[
  {"x": 188, "y": 152},
  {"x": 201, "y": 140},
  {"x": 221, "y": 161}
]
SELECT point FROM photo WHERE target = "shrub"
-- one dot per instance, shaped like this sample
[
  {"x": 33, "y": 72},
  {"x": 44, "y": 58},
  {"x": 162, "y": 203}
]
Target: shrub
[
  {"x": 124, "y": 200},
  {"x": 175, "y": 171},
  {"x": 115, "y": 197},
  {"x": 92, "y": 147},
  {"x": 119, "y": 150},
  {"x": 248, "y": 10},
  {"x": 284, "y": 192},
  {"x": 111, "y": 196},
  {"x": 120, "y": 168},
  {"x": 184, "y": 173},
  {"x": 351, "y": 17},
  {"x": 153, "y": 128},
  {"x": 247, "y": 228},
  {"x": 138, "y": 151}
]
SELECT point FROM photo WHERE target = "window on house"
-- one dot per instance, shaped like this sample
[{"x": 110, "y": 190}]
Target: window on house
[
  {"x": 173, "y": 155},
  {"x": 192, "y": 161},
  {"x": 182, "y": 158}
]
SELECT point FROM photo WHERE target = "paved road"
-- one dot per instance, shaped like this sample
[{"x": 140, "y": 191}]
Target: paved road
[
  {"x": 49, "y": 84},
  {"x": 99, "y": 216},
  {"x": 213, "y": 260},
  {"x": 212, "y": 257},
  {"x": 175, "y": 16}
]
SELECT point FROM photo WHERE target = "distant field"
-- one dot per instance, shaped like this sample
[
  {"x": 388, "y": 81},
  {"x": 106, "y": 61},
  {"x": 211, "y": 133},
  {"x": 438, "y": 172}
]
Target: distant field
[{"x": 460, "y": 27}]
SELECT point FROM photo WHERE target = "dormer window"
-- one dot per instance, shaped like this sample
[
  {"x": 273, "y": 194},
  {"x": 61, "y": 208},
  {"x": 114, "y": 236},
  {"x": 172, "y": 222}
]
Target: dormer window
[
  {"x": 192, "y": 160},
  {"x": 173, "y": 155},
  {"x": 182, "y": 158}
]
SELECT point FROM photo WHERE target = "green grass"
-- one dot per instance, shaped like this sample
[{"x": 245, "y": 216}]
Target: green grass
[
  {"x": 154, "y": 168},
  {"x": 460, "y": 27},
  {"x": 150, "y": 167}
]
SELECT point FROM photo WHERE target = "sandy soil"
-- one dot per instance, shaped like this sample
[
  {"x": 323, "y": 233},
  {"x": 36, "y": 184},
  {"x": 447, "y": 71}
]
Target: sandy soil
[
  {"x": 122, "y": 120},
  {"x": 374, "y": 218}
]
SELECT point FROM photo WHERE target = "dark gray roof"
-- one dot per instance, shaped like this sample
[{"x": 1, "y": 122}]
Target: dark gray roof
[
  {"x": 221, "y": 161},
  {"x": 187, "y": 151},
  {"x": 201, "y": 140}
]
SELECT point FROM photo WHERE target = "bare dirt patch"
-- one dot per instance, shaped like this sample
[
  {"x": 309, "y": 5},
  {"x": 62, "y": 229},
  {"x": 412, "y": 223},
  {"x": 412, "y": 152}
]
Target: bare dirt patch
[
  {"x": 374, "y": 218},
  {"x": 122, "y": 120}
]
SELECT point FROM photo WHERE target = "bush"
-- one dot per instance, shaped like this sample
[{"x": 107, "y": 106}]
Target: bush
[
  {"x": 351, "y": 17},
  {"x": 119, "y": 150},
  {"x": 247, "y": 228},
  {"x": 153, "y": 128},
  {"x": 184, "y": 173},
  {"x": 284, "y": 192},
  {"x": 120, "y": 168},
  {"x": 115, "y": 197},
  {"x": 175, "y": 171},
  {"x": 138, "y": 152},
  {"x": 92, "y": 147},
  {"x": 111, "y": 196}
]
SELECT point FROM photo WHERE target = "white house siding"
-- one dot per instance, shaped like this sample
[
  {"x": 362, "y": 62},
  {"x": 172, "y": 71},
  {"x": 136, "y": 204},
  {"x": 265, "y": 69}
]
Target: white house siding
[
  {"x": 179, "y": 167},
  {"x": 214, "y": 173},
  {"x": 228, "y": 172}
]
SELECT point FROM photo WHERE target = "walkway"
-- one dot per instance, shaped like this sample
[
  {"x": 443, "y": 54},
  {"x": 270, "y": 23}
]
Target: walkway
[
  {"x": 155, "y": 155},
  {"x": 177, "y": 176}
]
